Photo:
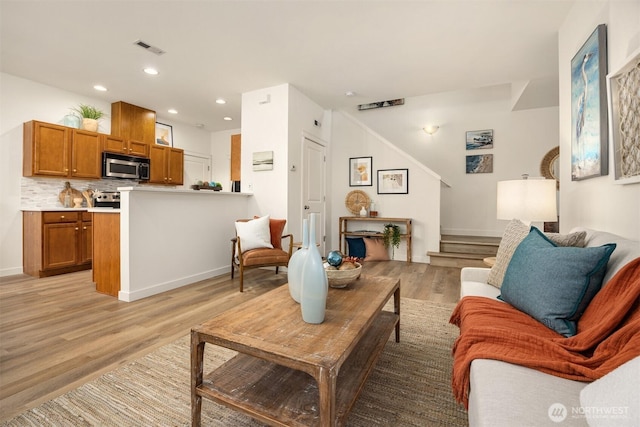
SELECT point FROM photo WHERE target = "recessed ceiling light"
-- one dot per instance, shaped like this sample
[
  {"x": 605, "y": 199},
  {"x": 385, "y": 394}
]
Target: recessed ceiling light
[
  {"x": 100, "y": 88},
  {"x": 227, "y": 118},
  {"x": 350, "y": 93},
  {"x": 151, "y": 71},
  {"x": 172, "y": 111},
  {"x": 220, "y": 101}
]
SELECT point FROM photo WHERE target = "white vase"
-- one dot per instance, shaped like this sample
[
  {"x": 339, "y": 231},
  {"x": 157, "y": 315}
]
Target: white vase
[
  {"x": 296, "y": 262},
  {"x": 315, "y": 285}
]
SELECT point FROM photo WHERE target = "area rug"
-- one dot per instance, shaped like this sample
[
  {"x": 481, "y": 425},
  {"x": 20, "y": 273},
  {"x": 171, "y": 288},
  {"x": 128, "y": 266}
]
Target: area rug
[{"x": 410, "y": 385}]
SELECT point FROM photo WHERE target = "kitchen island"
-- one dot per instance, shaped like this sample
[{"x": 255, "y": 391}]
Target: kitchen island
[{"x": 169, "y": 238}]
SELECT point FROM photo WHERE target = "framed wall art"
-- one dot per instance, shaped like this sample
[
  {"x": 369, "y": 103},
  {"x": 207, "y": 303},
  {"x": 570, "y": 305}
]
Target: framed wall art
[
  {"x": 481, "y": 163},
  {"x": 589, "y": 126},
  {"x": 393, "y": 181},
  {"x": 263, "y": 161},
  {"x": 479, "y": 139},
  {"x": 624, "y": 117},
  {"x": 164, "y": 134},
  {"x": 360, "y": 171}
]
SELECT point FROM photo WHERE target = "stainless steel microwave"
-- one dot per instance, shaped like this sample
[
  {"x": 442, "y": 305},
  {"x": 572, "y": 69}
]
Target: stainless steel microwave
[{"x": 120, "y": 166}]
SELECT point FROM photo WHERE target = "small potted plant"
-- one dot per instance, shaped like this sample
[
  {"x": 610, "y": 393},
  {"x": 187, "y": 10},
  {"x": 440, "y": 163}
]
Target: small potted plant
[
  {"x": 391, "y": 237},
  {"x": 90, "y": 116}
]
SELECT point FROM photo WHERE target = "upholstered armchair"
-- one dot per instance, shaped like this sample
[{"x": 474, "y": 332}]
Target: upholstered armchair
[{"x": 259, "y": 243}]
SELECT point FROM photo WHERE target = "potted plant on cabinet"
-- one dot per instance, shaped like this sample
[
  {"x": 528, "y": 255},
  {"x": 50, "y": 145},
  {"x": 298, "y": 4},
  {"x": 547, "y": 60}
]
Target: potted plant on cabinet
[
  {"x": 90, "y": 116},
  {"x": 391, "y": 237}
]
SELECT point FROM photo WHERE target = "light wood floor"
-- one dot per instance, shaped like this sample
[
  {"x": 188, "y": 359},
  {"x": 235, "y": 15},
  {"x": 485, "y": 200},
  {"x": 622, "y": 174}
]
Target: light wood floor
[{"x": 57, "y": 333}]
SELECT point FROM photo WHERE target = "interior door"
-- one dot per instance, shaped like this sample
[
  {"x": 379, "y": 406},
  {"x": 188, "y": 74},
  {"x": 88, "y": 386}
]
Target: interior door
[
  {"x": 197, "y": 168},
  {"x": 313, "y": 186}
]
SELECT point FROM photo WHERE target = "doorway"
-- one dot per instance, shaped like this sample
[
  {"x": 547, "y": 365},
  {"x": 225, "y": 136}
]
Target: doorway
[{"x": 313, "y": 186}]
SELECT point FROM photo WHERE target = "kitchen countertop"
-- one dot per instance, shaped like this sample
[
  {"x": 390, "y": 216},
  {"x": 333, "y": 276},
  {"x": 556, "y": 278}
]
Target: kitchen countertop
[
  {"x": 104, "y": 210},
  {"x": 53, "y": 209},
  {"x": 183, "y": 191}
]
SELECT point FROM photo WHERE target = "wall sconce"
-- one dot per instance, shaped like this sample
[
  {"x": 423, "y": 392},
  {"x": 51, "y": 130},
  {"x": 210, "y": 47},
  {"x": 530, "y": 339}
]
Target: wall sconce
[{"x": 431, "y": 129}]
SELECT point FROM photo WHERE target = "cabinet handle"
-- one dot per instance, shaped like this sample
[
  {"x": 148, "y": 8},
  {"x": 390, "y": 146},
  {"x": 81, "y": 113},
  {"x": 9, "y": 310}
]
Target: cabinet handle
[
  {"x": 84, "y": 228},
  {"x": 66, "y": 169},
  {"x": 77, "y": 229},
  {"x": 75, "y": 170},
  {"x": 61, "y": 216}
]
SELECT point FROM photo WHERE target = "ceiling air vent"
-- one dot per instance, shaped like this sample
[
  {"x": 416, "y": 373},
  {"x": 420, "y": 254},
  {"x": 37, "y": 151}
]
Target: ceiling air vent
[{"x": 148, "y": 47}]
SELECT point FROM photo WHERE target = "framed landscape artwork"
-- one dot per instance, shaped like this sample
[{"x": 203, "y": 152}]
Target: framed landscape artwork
[
  {"x": 479, "y": 139},
  {"x": 393, "y": 181},
  {"x": 481, "y": 163},
  {"x": 360, "y": 171},
  {"x": 589, "y": 127}
]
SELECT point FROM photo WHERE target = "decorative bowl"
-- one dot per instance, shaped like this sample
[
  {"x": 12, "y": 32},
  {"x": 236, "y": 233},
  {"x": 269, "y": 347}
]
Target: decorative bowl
[{"x": 341, "y": 278}]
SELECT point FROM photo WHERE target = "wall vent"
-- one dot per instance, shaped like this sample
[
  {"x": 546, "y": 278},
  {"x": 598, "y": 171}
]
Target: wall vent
[{"x": 148, "y": 47}]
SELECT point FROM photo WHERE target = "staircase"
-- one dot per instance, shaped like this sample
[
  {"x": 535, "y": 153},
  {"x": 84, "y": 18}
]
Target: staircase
[{"x": 464, "y": 251}]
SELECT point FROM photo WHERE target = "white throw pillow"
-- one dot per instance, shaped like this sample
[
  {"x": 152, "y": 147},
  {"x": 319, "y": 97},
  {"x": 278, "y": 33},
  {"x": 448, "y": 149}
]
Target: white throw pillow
[{"x": 254, "y": 234}]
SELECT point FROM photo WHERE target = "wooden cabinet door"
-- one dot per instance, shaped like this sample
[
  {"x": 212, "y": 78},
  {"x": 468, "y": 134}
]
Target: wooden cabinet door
[
  {"x": 158, "y": 160},
  {"x": 176, "y": 166},
  {"x": 114, "y": 144},
  {"x": 45, "y": 149},
  {"x": 86, "y": 154},
  {"x": 60, "y": 245},
  {"x": 133, "y": 123},
  {"x": 86, "y": 242},
  {"x": 138, "y": 148}
]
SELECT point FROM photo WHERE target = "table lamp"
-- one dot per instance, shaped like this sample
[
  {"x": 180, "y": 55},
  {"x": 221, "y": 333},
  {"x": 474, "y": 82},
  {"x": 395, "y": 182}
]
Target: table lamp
[{"x": 527, "y": 199}]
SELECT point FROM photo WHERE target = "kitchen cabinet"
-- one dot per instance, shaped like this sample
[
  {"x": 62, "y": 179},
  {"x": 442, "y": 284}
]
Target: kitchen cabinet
[
  {"x": 133, "y": 123},
  {"x": 56, "y": 242},
  {"x": 116, "y": 144},
  {"x": 106, "y": 263},
  {"x": 60, "y": 151},
  {"x": 166, "y": 165}
]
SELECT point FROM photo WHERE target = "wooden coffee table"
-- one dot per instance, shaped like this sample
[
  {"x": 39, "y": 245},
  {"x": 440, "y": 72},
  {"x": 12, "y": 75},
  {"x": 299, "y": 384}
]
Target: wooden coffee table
[{"x": 288, "y": 372}]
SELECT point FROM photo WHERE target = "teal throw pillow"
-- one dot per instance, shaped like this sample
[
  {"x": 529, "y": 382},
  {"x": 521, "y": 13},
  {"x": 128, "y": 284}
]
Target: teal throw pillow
[
  {"x": 356, "y": 247},
  {"x": 554, "y": 284}
]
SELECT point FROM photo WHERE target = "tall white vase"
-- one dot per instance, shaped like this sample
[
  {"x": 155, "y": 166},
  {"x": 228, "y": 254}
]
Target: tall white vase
[
  {"x": 315, "y": 285},
  {"x": 296, "y": 262}
]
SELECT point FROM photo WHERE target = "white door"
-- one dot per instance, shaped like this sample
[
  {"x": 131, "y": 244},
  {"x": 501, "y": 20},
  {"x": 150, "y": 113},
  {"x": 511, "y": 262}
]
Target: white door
[
  {"x": 197, "y": 167},
  {"x": 313, "y": 186}
]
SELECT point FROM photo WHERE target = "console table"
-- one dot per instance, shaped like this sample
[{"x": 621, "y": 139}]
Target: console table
[{"x": 345, "y": 220}]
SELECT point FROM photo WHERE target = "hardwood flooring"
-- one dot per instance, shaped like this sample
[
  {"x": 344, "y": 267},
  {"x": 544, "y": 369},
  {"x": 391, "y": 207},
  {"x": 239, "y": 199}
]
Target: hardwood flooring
[{"x": 57, "y": 333}]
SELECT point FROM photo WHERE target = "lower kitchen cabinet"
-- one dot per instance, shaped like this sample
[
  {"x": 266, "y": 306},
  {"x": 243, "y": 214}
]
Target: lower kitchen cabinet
[{"x": 56, "y": 242}]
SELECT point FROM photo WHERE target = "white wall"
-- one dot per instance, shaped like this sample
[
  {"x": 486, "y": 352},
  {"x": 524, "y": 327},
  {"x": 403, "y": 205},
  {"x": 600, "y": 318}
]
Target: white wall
[
  {"x": 351, "y": 138},
  {"x": 276, "y": 119},
  {"x": 521, "y": 139},
  {"x": 23, "y": 100},
  {"x": 221, "y": 157},
  {"x": 599, "y": 202}
]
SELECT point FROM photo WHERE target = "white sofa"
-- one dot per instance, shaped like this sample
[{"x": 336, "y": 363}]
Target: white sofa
[{"x": 504, "y": 394}]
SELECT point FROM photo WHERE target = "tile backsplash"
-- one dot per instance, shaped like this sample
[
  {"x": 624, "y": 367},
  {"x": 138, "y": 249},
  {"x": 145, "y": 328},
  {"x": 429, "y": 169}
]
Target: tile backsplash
[{"x": 39, "y": 192}]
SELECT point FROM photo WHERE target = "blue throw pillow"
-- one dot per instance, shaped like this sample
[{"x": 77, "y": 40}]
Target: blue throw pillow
[
  {"x": 356, "y": 247},
  {"x": 554, "y": 284}
]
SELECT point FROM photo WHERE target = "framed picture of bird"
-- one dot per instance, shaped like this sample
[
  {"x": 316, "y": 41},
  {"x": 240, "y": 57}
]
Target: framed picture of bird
[{"x": 589, "y": 123}]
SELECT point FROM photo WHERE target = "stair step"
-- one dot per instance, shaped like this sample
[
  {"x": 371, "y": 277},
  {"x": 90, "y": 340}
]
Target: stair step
[
  {"x": 464, "y": 251},
  {"x": 481, "y": 245}
]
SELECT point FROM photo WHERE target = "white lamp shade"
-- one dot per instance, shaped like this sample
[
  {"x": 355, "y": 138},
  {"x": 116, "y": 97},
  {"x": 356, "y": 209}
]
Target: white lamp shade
[{"x": 527, "y": 200}]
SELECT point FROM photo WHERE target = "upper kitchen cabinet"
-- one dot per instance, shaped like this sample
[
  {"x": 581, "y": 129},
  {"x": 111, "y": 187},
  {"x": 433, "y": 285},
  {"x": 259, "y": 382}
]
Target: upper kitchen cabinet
[
  {"x": 167, "y": 165},
  {"x": 133, "y": 123},
  {"x": 53, "y": 150},
  {"x": 115, "y": 144}
]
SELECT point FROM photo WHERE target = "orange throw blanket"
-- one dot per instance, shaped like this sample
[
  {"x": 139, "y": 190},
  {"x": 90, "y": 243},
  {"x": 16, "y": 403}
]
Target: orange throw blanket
[{"x": 608, "y": 335}]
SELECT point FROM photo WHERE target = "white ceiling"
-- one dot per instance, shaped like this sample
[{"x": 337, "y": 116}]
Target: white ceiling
[{"x": 379, "y": 49}]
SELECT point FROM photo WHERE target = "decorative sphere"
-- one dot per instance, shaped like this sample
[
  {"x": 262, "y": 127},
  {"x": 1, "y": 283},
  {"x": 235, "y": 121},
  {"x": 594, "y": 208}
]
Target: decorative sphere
[{"x": 334, "y": 258}]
